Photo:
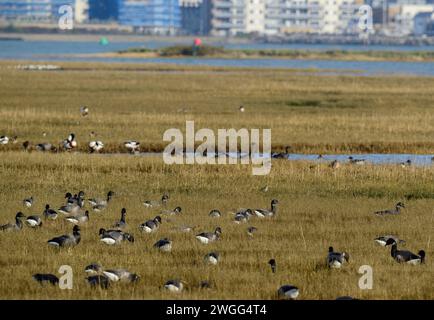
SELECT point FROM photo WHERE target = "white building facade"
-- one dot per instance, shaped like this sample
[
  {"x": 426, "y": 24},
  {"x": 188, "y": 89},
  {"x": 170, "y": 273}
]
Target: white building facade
[{"x": 270, "y": 17}]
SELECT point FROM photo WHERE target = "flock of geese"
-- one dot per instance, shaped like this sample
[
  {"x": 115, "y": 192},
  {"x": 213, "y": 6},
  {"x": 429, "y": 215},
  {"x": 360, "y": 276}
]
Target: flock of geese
[{"x": 74, "y": 212}]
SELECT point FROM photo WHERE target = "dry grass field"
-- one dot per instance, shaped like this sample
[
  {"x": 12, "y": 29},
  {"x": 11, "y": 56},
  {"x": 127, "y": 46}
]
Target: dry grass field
[{"x": 318, "y": 206}]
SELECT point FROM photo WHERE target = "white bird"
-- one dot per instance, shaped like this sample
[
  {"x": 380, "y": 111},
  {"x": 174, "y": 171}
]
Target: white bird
[
  {"x": 132, "y": 146},
  {"x": 95, "y": 146},
  {"x": 70, "y": 142},
  {"x": 84, "y": 111},
  {"x": 4, "y": 140}
]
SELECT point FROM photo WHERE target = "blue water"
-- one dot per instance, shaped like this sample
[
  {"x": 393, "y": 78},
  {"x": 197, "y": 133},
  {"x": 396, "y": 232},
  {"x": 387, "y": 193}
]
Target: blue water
[
  {"x": 375, "y": 159},
  {"x": 67, "y": 51}
]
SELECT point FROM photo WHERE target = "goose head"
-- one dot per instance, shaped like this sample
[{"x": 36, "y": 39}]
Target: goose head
[
  {"x": 123, "y": 213},
  {"x": 218, "y": 231},
  {"x": 177, "y": 210},
  {"x": 157, "y": 219},
  {"x": 331, "y": 249},
  {"x": 110, "y": 194},
  {"x": 129, "y": 237},
  {"x": 400, "y": 205},
  {"x": 102, "y": 231},
  {"x": 19, "y": 215}
]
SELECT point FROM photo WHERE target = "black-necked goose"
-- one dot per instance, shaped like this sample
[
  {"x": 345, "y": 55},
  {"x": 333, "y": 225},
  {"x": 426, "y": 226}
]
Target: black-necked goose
[
  {"x": 395, "y": 211},
  {"x": 34, "y": 221},
  {"x": 46, "y": 278},
  {"x": 273, "y": 265},
  {"x": 50, "y": 213},
  {"x": 17, "y": 226},
  {"x": 406, "y": 256},
  {"x": 242, "y": 217},
  {"x": 176, "y": 211},
  {"x": 174, "y": 285},
  {"x": 95, "y": 146},
  {"x": 122, "y": 222},
  {"x": 356, "y": 161},
  {"x": 132, "y": 146},
  {"x": 251, "y": 231},
  {"x": 154, "y": 203},
  {"x": 93, "y": 268},
  {"x": 112, "y": 237},
  {"x": 70, "y": 209},
  {"x": 288, "y": 292},
  {"x": 261, "y": 213},
  {"x": 151, "y": 225},
  {"x": 28, "y": 202},
  {"x": 406, "y": 163},
  {"x": 215, "y": 213},
  {"x": 385, "y": 240},
  {"x": 84, "y": 111},
  {"x": 164, "y": 245},
  {"x": 282, "y": 155},
  {"x": 4, "y": 140},
  {"x": 121, "y": 275},
  {"x": 207, "y": 237},
  {"x": 100, "y": 204},
  {"x": 68, "y": 240},
  {"x": 336, "y": 259},
  {"x": 99, "y": 280},
  {"x": 70, "y": 142},
  {"x": 79, "y": 219},
  {"x": 212, "y": 258}
]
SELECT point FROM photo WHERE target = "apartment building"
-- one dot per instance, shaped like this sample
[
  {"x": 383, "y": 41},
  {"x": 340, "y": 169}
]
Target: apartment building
[{"x": 230, "y": 17}]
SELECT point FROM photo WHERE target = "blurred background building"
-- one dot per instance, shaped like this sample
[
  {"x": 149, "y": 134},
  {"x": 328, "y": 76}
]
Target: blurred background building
[{"x": 232, "y": 17}]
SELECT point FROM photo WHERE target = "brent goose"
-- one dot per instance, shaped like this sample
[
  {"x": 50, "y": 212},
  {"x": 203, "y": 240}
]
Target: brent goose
[
  {"x": 78, "y": 219},
  {"x": 122, "y": 222},
  {"x": 207, "y": 237},
  {"x": 34, "y": 221},
  {"x": 120, "y": 275},
  {"x": 214, "y": 213},
  {"x": 174, "y": 285},
  {"x": 68, "y": 240},
  {"x": 282, "y": 155},
  {"x": 288, "y": 292},
  {"x": 28, "y": 202},
  {"x": 112, "y": 237},
  {"x": 164, "y": 245},
  {"x": 261, "y": 213},
  {"x": 356, "y": 161},
  {"x": 100, "y": 204},
  {"x": 46, "y": 278},
  {"x": 17, "y": 226},
  {"x": 93, "y": 268},
  {"x": 395, "y": 211},
  {"x": 336, "y": 259},
  {"x": 99, "y": 280},
  {"x": 70, "y": 142},
  {"x": 151, "y": 225},
  {"x": 49, "y": 213},
  {"x": 384, "y": 240},
  {"x": 273, "y": 265},
  {"x": 406, "y": 256},
  {"x": 212, "y": 258}
]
